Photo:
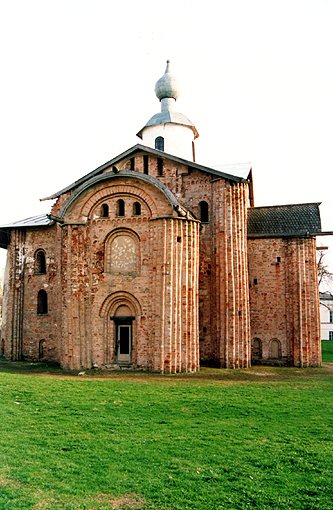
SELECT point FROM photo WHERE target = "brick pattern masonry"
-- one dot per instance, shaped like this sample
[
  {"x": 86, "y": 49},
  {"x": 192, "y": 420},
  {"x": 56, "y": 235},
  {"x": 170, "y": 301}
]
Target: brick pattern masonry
[{"x": 187, "y": 290}]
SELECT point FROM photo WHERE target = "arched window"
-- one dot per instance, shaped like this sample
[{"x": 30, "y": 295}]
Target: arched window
[
  {"x": 123, "y": 254},
  {"x": 256, "y": 349},
  {"x": 41, "y": 349},
  {"x": 104, "y": 211},
  {"x": 204, "y": 211},
  {"x": 42, "y": 307},
  {"x": 136, "y": 209},
  {"x": 275, "y": 349},
  {"x": 40, "y": 262},
  {"x": 120, "y": 207},
  {"x": 159, "y": 143}
]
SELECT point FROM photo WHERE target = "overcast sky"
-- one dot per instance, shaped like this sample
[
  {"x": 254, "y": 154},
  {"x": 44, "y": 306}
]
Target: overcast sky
[{"x": 77, "y": 84}]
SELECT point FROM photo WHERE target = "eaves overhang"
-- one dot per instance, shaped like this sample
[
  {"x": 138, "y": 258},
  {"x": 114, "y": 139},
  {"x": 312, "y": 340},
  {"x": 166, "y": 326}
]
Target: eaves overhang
[{"x": 169, "y": 117}]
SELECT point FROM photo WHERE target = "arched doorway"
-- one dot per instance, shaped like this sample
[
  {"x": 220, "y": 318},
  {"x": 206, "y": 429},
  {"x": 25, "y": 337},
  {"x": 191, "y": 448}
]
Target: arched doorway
[
  {"x": 123, "y": 329},
  {"x": 122, "y": 313},
  {"x": 256, "y": 350}
]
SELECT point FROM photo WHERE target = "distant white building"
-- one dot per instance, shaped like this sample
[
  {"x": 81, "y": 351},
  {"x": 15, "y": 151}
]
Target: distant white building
[{"x": 326, "y": 315}]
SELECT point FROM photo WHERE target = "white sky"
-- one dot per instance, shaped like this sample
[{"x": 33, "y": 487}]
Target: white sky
[{"x": 77, "y": 83}]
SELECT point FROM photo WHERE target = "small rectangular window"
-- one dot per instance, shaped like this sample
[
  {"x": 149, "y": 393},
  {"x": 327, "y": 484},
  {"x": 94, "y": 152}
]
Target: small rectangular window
[
  {"x": 160, "y": 167},
  {"x": 330, "y": 335},
  {"x": 132, "y": 164}
]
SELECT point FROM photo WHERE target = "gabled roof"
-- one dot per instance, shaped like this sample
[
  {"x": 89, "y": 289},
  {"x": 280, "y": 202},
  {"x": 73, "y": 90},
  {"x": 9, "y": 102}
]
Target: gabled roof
[
  {"x": 295, "y": 220},
  {"x": 142, "y": 148},
  {"x": 239, "y": 169},
  {"x": 325, "y": 296},
  {"x": 34, "y": 221}
]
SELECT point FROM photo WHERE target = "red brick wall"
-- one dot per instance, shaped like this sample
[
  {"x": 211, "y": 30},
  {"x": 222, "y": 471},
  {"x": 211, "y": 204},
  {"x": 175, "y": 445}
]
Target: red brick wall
[
  {"x": 189, "y": 281},
  {"x": 284, "y": 299},
  {"x": 23, "y": 328}
]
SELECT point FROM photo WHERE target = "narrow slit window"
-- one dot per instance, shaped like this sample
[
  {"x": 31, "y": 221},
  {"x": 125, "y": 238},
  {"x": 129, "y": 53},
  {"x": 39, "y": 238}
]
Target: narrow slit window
[
  {"x": 136, "y": 209},
  {"x": 132, "y": 164},
  {"x": 41, "y": 349},
  {"x": 145, "y": 164},
  {"x": 42, "y": 305},
  {"x": 120, "y": 207},
  {"x": 159, "y": 143}
]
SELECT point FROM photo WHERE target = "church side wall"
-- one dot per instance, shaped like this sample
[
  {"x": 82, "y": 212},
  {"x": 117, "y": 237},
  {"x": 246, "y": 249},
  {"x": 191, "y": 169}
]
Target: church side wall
[
  {"x": 284, "y": 301},
  {"x": 28, "y": 334}
]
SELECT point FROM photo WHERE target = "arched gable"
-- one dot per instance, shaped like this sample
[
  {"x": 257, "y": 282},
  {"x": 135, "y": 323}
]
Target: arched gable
[{"x": 157, "y": 197}]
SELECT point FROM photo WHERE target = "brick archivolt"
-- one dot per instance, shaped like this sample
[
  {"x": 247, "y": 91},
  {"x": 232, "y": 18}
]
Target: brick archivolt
[
  {"x": 116, "y": 299},
  {"x": 83, "y": 206},
  {"x": 118, "y": 191}
]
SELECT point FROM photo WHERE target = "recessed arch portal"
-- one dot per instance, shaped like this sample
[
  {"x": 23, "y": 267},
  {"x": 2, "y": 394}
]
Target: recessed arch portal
[
  {"x": 112, "y": 303},
  {"x": 121, "y": 312}
]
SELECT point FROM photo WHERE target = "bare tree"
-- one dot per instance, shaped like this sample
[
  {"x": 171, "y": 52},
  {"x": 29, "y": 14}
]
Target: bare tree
[{"x": 325, "y": 276}]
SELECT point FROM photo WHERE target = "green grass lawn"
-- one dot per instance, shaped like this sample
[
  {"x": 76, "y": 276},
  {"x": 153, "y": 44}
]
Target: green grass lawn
[
  {"x": 220, "y": 439},
  {"x": 327, "y": 351}
]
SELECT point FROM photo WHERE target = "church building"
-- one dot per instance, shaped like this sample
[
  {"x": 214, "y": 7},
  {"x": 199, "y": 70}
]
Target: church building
[{"x": 153, "y": 261}]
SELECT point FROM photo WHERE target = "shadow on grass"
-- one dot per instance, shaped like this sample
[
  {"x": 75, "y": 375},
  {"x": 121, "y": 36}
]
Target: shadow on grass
[{"x": 253, "y": 374}]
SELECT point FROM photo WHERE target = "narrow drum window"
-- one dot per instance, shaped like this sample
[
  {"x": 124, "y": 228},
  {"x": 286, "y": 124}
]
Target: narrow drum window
[
  {"x": 120, "y": 207},
  {"x": 136, "y": 209},
  {"x": 104, "y": 211},
  {"x": 42, "y": 306},
  {"x": 159, "y": 143},
  {"x": 204, "y": 211},
  {"x": 40, "y": 262}
]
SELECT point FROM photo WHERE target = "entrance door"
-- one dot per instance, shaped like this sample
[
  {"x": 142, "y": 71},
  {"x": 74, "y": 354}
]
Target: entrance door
[{"x": 124, "y": 342}]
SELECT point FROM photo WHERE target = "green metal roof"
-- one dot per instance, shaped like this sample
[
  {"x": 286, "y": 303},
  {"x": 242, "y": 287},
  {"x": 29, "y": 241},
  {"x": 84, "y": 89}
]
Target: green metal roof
[{"x": 295, "y": 220}]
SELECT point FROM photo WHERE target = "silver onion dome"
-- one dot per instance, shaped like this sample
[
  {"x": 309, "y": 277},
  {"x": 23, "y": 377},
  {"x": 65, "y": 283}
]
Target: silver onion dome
[{"x": 167, "y": 86}]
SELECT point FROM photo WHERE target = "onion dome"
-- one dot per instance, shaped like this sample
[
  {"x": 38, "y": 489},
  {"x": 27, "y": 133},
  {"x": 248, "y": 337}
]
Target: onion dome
[{"x": 167, "y": 86}]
